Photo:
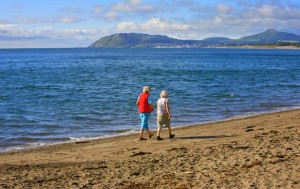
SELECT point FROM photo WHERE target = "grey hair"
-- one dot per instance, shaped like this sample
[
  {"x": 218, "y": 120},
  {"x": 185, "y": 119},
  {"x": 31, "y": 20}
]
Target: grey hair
[
  {"x": 146, "y": 89},
  {"x": 163, "y": 94}
]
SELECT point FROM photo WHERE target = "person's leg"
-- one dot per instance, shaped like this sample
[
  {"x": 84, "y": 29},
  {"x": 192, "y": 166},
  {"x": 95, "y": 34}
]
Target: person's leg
[
  {"x": 159, "y": 126},
  {"x": 158, "y": 130},
  {"x": 158, "y": 133},
  {"x": 168, "y": 123},
  {"x": 149, "y": 133},
  {"x": 141, "y": 133},
  {"x": 142, "y": 125},
  {"x": 146, "y": 118},
  {"x": 158, "y": 119},
  {"x": 169, "y": 130}
]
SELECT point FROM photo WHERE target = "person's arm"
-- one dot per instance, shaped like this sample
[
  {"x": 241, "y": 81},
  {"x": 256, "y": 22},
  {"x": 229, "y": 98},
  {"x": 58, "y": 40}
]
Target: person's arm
[
  {"x": 168, "y": 109},
  {"x": 150, "y": 103},
  {"x": 151, "y": 106},
  {"x": 138, "y": 101}
]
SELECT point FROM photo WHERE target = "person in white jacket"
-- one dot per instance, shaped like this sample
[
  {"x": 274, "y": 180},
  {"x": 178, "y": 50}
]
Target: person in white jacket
[{"x": 163, "y": 114}]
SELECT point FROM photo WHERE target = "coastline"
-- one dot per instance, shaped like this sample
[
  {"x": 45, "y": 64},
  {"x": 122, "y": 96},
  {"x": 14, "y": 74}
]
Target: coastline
[
  {"x": 135, "y": 132},
  {"x": 259, "y": 47},
  {"x": 260, "y": 151}
]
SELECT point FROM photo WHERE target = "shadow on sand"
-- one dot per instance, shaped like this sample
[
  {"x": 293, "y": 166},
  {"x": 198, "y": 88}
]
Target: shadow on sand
[{"x": 205, "y": 137}]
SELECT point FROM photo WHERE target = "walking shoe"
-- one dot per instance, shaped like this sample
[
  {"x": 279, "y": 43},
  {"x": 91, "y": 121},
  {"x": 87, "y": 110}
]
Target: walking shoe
[
  {"x": 171, "y": 136},
  {"x": 158, "y": 138},
  {"x": 143, "y": 139},
  {"x": 150, "y": 135}
]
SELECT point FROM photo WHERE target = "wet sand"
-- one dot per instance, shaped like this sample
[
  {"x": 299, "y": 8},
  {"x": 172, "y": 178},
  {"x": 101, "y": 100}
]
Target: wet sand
[{"x": 255, "y": 152}]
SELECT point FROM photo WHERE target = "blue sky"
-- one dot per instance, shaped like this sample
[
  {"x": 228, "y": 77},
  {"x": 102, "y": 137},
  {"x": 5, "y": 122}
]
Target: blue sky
[{"x": 78, "y": 23}]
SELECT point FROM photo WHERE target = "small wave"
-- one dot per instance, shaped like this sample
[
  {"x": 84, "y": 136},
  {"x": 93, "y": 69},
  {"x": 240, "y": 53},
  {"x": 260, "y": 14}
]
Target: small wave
[
  {"x": 243, "y": 115},
  {"x": 227, "y": 110},
  {"x": 3, "y": 97},
  {"x": 88, "y": 117},
  {"x": 228, "y": 95},
  {"x": 52, "y": 126},
  {"x": 35, "y": 144},
  {"x": 127, "y": 132},
  {"x": 117, "y": 131},
  {"x": 24, "y": 139},
  {"x": 26, "y": 142},
  {"x": 2, "y": 120},
  {"x": 33, "y": 87},
  {"x": 292, "y": 86},
  {"x": 270, "y": 104},
  {"x": 26, "y": 146},
  {"x": 48, "y": 96},
  {"x": 282, "y": 86},
  {"x": 250, "y": 114},
  {"x": 86, "y": 138}
]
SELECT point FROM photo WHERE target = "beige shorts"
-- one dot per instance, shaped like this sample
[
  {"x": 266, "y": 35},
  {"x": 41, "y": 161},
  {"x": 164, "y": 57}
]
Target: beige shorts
[{"x": 163, "y": 119}]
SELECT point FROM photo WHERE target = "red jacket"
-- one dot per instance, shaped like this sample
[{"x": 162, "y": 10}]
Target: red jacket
[{"x": 144, "y": 107}]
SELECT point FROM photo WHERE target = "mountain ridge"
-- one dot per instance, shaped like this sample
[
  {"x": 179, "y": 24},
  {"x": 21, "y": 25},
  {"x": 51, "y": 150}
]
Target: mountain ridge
[{"x": 140, "y": 40}]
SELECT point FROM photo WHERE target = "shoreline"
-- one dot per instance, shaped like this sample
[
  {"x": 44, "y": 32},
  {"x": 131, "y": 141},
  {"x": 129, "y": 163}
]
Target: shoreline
[
  {"x": 216, "y": 47},
  {"x": 260, "y": 151},
  {"x": 260, "y": 47},
  {"x": 135, "y": 132}
]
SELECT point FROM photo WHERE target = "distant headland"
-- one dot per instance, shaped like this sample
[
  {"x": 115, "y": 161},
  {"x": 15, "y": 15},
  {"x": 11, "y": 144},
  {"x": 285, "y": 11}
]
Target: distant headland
[{"x": 267, "y": 39}]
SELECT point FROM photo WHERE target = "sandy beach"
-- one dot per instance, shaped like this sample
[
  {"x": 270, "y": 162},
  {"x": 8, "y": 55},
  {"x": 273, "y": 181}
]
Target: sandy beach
[{"x": 262, "y": 151}]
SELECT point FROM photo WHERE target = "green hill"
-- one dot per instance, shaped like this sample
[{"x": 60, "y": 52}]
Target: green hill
[
  {"x": 136, "y": 40},
  {"x": 215, "y": 40},
  {"x": 270, "y": 36},
  {"x": 131, "y": 40}
]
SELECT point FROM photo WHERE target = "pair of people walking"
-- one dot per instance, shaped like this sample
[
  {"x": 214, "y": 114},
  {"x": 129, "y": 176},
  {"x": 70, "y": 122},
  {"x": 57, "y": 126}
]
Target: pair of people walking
[{"x": 145, "y": 107}]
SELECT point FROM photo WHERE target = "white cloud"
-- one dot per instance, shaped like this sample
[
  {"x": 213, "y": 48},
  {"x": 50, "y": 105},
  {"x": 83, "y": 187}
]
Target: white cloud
[
  {"x": 132, "y": 6},
  {"x": 246, "y": 19},
  {"x": 29, "y": 20},
  {"x": 71, "y": 10},
  {"x": 111, "y": 16},
  {"x": 126, "y": 27},
  {"x": 267, "y": 11},
  {"x": 6, "y": 25},
  {"x": 223, "y": 8},
  {"x": 153, "y": 25},
  {"x": 218, "y": 20},
  {"x": 37, "y": 20},
  {"x": 128, "y": 9},
  {"x": 48, "y": 37},
  {"x": 164, "y": 25},
  {"x": 68, "y": 19},
  {"x": 98, "y": 9}
]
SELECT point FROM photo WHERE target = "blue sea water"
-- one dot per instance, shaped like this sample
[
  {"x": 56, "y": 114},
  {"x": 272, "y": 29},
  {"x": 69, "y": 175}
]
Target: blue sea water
[{"x": 59, "y": 95}]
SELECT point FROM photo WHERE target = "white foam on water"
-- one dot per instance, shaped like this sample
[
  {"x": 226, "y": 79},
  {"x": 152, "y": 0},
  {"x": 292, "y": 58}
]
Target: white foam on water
[
  {"x": 76, "y": 139},
  {"x": 26, "y": 146}
]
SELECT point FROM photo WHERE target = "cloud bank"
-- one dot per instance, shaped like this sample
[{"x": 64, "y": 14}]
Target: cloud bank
[{"x": 71, "y": 26}]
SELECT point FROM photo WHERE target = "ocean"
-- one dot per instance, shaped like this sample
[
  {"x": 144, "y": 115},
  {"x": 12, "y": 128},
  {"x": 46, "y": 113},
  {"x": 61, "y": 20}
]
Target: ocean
[{"x": 50, "y": 96}]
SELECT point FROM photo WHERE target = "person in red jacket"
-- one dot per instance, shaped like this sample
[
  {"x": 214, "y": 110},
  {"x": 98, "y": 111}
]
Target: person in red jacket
[{"x": 144, "y": 108}]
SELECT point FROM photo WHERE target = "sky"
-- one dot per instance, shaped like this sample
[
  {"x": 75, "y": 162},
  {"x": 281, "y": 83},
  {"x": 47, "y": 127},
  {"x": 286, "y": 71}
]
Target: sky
[{"x": 78, "y": 23}]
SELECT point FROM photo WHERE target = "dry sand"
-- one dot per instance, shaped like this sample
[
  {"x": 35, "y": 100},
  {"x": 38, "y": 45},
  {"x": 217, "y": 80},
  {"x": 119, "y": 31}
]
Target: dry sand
[{"x": 256, "y": 152}]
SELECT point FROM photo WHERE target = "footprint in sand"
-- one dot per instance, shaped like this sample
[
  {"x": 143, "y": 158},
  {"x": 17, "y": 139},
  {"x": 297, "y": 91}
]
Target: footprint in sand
[
  {"x": 139, "y": 153},
  {"x": 249, "y": 128}
]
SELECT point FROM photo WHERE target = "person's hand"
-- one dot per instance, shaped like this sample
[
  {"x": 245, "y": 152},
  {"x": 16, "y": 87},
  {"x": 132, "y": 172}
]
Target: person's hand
[
  {"x": 169, "y": 116},
  {"x": 151, "y": 107}
]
